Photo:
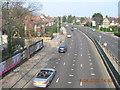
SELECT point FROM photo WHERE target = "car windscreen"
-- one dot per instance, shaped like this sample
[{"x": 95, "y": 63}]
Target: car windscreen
[
  {"x": 61, "y": 48},
  {"x": 44, "y": 74}
]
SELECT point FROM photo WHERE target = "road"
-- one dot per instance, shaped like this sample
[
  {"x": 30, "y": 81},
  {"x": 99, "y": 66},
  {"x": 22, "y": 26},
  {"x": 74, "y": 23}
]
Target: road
[
  {"x": 113, "y": 43},
  {"x": 80, "y": 67}
]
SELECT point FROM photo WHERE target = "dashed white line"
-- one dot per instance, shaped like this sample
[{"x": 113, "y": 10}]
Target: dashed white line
[
  {"x": 81, "y": 65},
  {"x": 57, "y": 80},
  {"x": 64, "y": 63},
  {"x": 91, "y": 68},
  {"x": 89, "y": 57},
  {"x": 75, "y": 54},
  {"x": 81, "y": 54},
  {"x": 56, "y": 62},
  {"x": 58, "y": 59},
  {"x": 92, "y": 74},
  {"x": 68, "y": 54},
  {"x": 73, "y": 60},
  {"x": 90, "y": 63},
  {"x": 81, "y": 48},
  {"x": 70, "y": 47},
  {"x": 71, "y": 75},
  {"x": 73, "y": 64},
  {"x": 69, "y": 82},
  {"x": 72, "y": 69},
  {"x": 88, "y": 54},
  {"x": 90, "y": 60},
  {"x": 60, "y": 56}
]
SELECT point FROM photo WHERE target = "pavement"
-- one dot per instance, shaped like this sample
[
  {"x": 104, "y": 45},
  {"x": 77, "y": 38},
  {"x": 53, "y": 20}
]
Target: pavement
[{"x": 23, "y": 74}]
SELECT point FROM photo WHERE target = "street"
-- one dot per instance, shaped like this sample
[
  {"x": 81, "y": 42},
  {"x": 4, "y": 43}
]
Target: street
[
  {"x": 80, "y": 62},
  {"x": 113, "y": 43}
]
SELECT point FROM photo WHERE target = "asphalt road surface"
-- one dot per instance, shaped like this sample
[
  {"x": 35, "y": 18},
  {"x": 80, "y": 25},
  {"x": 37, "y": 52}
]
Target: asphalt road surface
[
  {"x": 112, "y": 42},
  {"x": 80, "y": 67}
]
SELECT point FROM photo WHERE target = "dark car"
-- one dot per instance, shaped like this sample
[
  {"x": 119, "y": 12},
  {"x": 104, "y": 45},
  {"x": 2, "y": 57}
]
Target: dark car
[{"x": 62, "y": 49}]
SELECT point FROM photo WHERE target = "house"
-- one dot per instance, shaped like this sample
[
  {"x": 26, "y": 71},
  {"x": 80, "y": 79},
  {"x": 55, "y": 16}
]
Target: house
[
  {"x": 109, "y": 21},
  {"x": 37, "y": 23}
]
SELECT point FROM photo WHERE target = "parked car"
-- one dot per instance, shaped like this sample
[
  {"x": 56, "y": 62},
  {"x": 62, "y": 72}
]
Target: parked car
[
  {"x": 69, "y": 35},
  {"x": 62, "y": 49},
  {"x": 44, "y": 77}
]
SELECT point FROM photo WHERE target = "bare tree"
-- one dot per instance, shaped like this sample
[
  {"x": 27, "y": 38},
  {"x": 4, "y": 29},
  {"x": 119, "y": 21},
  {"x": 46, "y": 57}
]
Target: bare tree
[{"x": 13, "y": 14}]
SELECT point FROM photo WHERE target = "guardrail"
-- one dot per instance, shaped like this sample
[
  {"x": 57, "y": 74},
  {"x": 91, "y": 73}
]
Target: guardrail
[{"x": 111, "y": 70}]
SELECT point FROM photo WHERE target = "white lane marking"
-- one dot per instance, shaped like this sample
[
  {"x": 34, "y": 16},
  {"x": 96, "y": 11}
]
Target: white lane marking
[
  {"x": 81, "y": 48},
  {"x": 75, "y": 54},
  {"x": 47, "y": 59},
  {"x": 57, "y": 80},
  {"x": 69, "y": 82},
  {"x": 73, "y": 60},
  {"x": 88, "y": 54},
  {"x": 58, "y": 59},
  {"x": 60, "y": 56},
  {"x": 70, "y": 47},
  {"x": 81, "y": 54},
  {"x": 92, "y": 74},
  {"x": 91, "y": 68},
  {"x": 81, "y": 83},
  {"x": 73, "y": 64},
  {"x": 90, "y": 63},
  {"x": 72, "y": 69},
  {"x": 89, "y": 59},
  {"x": 56, "y": 62},
  {"x": 81, "y": 65},
  {"x": 64, "y": 63},
  {"x": 68, "y": 54},
  {"x": 54, "y": 67},
  {"x": 71, "y": 75}
]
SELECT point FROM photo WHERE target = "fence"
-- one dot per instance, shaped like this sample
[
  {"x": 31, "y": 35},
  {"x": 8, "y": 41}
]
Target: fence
[{"x": 19, "y": 57}]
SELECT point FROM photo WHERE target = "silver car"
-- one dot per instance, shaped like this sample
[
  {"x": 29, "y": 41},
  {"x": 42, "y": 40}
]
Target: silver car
[{"x": 44, "y": 77}]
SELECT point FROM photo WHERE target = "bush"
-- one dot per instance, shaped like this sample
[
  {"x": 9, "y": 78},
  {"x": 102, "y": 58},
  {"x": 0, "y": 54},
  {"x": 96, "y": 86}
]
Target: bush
[{"x": 117, "y": 34}]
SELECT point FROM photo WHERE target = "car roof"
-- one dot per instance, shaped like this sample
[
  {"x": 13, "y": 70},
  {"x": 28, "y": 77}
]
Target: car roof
[{"x": 62, "y": 46}]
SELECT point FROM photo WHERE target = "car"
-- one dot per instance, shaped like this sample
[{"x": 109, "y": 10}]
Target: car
[
  {"x": 93, "y": 30},
  {"x": 44, "y": 77},
  {"x": 62, "y": 49},
  {"x": 75, "y": 28},
  {"x": 72, "y": 29},
  {"x": 69, "y": 35}
]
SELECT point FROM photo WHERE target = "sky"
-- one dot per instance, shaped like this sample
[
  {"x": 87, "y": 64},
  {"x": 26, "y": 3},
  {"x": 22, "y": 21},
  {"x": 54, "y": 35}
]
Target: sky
[{"x": 80, "y": 8}]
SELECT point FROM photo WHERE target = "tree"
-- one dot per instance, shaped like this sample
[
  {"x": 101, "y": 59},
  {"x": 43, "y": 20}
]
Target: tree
[
  {"x": 64, "y": 19},
  {"x": 13, "y": 14},
  {"x": 98, "y": 18},
  {"x": 82, "y": 19}
]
